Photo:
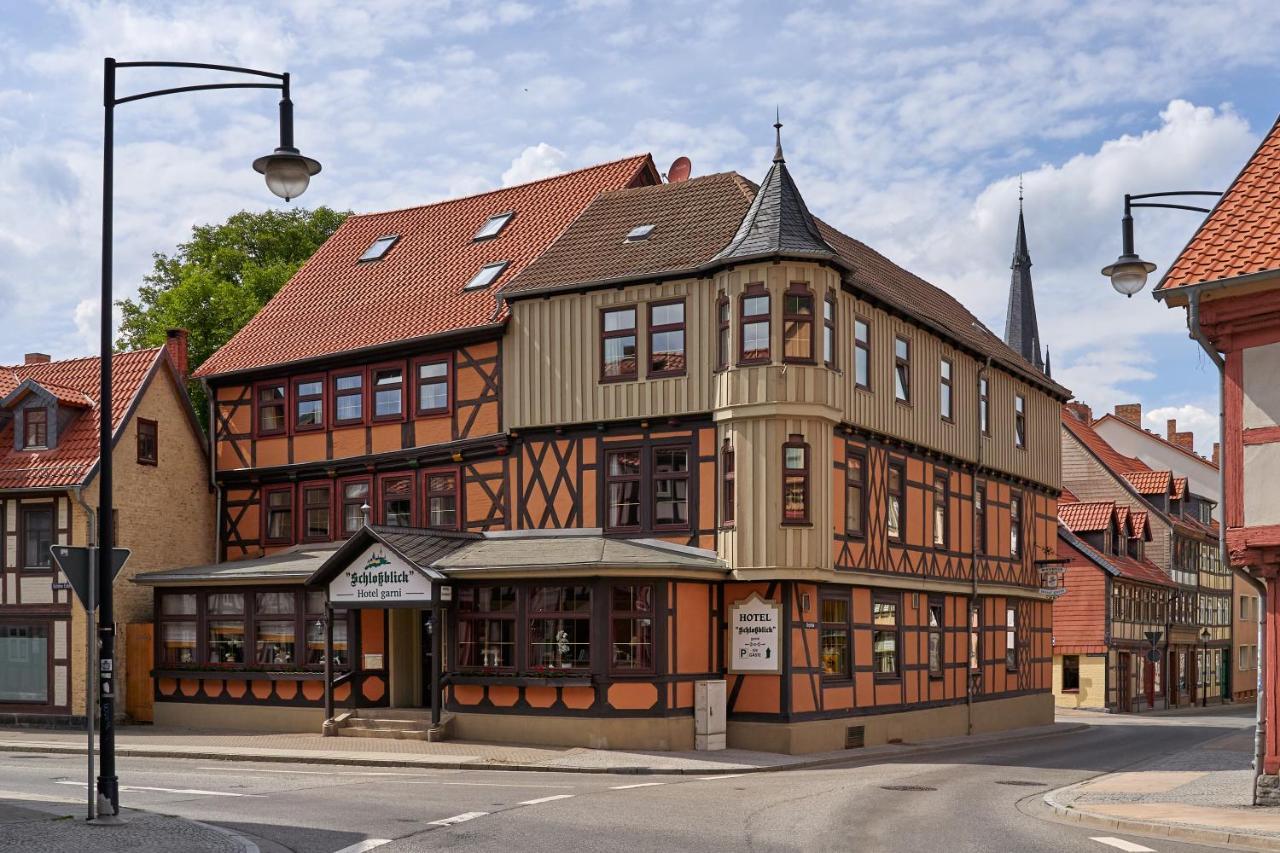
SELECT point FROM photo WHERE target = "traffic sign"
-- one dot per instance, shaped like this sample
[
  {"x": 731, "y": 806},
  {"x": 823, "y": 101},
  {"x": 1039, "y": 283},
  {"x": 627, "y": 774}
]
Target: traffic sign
[
  {"x": 1153, "y": 655},
  {"x": 1153, "y": 637},
  {"x": 77, "y": 561}
]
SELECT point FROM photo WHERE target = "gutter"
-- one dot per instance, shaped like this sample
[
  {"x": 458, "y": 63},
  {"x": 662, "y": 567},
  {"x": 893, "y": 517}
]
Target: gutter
[
  {"x": 973, "y": 594},
  {"x": 1197, "y": 334},
  {"x": 1194, "y": 290},
  {"x": 213, "y": 470}
]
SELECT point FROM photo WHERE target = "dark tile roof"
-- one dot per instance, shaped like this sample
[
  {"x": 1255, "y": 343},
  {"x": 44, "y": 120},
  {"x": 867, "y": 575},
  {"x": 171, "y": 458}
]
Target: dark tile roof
[
  {"x": 777, "y": 223},
  {"x": 335, "y": 303},
  {"x": 1021, "y": 329}
]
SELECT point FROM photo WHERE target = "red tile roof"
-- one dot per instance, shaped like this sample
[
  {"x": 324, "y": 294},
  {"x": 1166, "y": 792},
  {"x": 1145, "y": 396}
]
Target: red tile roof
[
  {"x": 1087, "y": 517},
  {"x": 1067, "y": 497},
  {"x": 336, "y": 304},
  {"x": 1179, "y": 488},
  {"x": 1139, "y": 570},
  {"x": 1242, "y": 234},
  {"x": 1110, "y": 457},
  {"x": 1123, "y": 522},
  {"x": 1141, "y": 529},
  {"x": 76, "y": 454},
  {"x": 1077, "y": 552},
  {"x": 1149, "y": 482}
]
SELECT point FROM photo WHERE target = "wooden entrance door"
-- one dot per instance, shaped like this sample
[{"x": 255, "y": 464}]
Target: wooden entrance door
[
  {"x": 1149, "y": 680},
  {"x": 139, "y": 696},
  {"x": 1123, "y": 679}
]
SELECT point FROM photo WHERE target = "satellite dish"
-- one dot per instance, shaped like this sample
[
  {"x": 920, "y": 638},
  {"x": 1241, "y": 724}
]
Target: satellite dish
[{"x": 679, "y": 171}]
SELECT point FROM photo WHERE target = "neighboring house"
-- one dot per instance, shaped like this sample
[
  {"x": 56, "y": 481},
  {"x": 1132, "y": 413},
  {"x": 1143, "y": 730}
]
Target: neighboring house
[
  {"x": 1176, "y": 452},
  {"x": 1114, "y": 597},
  {"x": 1228, "y": 278},
  {"x": 1194, "y": 665},
  {"x": 646, "y": 435},
  {"x": 49, "y": 494}
]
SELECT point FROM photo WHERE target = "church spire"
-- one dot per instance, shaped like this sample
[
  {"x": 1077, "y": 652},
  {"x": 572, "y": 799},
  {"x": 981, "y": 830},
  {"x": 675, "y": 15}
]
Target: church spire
[{"x": 1021, "y": 330}]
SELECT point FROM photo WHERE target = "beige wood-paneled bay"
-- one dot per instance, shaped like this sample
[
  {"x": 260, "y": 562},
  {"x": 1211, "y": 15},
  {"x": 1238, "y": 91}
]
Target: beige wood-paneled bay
[{"x": 551, "y": 363}]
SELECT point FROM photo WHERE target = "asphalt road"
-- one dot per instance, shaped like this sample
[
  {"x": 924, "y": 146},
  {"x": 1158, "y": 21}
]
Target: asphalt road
[{"x": 957, "y": 801}]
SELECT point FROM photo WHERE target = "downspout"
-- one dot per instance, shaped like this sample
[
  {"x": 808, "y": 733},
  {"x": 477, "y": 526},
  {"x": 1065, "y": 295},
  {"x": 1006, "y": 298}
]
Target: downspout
[
  {"x": 973, "y": 595},
  {"x": 1260, "y": 723},
  {"x": 213, "y": 476}
]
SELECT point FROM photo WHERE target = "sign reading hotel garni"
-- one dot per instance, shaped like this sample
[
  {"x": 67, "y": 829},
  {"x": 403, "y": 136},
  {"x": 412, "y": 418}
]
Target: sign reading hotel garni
[
  {"x": 380, "y": 577},
  {"x": 754, "y": 627}
]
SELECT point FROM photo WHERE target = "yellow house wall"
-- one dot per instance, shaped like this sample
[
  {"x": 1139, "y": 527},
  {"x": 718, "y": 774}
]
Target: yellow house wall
[{"x": 1093, "y": 683}]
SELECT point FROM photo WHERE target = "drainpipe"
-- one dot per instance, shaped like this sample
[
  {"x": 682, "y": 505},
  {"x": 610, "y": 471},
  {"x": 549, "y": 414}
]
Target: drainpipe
[
  {"x": 1260, "y": 724},
  {"x": 213, "y": 476},
  {"x": 973, "y": 595}
]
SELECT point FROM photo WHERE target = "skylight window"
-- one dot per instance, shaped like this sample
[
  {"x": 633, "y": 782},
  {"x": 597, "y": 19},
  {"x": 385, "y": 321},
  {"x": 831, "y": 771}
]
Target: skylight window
[
  {"x": 486, "y": 275},
  {"x": 379, "y": 247},
  {"x": 640, "y": 232},
  {"x": 493, "y": 226}
]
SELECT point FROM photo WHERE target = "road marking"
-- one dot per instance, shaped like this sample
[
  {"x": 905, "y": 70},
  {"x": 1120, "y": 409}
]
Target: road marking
[
  {"x": 362, "y": 846},
  {"x": 718, "y": 778},
  {"x": 638, "y": 785},
  {"x": 411, "y": 778},
  {"x": 546, "y": 799},
  {"x": 1121, "y": 844},
  {"x": 458, "y": 818},
  {"x": 167, "y": 790}
]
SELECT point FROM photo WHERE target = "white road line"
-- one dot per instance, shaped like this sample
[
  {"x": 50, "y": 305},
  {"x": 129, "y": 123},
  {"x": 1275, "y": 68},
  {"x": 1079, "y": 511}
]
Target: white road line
[
  {"x": 168, "y": 790},
  {"x": 362, "y": 846},
  {"x": 546, "y": 799},
  {"x": 410, "y": 778},
  {"x": 718, "y": 778},
  {"x": 637, "y": 785},
  {"x": 1121, "y": 844},
  {"x": 458, "y": 818}
]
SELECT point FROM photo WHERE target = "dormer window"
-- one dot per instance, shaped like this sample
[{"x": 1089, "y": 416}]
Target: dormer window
[
  {"x": 379, "y": 247},
  {"x": 493, "y": 226},
  {"x": 35, "y": 429},
  {"x": 638, "y": 234},
  {"x": 486, "y": 276}
]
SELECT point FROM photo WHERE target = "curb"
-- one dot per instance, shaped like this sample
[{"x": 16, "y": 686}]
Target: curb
[
  {"x": 626, "y": 770},
  {"x": 1159, "y": 829},
  {"x": 241, "y": 841}
]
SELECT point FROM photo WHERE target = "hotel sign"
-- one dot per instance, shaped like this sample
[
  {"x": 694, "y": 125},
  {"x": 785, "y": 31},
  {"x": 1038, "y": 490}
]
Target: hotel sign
[
  {"x": 754, "y": 627},
  {"x": 379, "y": 577}
]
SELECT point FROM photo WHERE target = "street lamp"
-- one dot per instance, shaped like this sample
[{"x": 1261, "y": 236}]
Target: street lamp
[
  {"x": 1204, "y": 667},
  {"x": 1129, "y": 272},
  {"x": 287, "y": 173}
]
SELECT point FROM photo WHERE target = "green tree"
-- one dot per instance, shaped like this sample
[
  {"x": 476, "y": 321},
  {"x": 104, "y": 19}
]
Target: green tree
[{"x": 215, "y": 282}]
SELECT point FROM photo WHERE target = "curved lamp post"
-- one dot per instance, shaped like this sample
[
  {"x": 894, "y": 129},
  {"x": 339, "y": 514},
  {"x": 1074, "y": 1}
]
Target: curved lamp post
[
  {"x": 1129, "y": 272},
  {"x": 287, "y": 174}
]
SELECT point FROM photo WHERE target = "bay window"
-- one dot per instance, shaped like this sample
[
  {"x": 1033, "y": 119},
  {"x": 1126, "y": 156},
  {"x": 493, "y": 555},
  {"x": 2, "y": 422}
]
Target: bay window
[
  {"x": 487, "y": 627},
  {"x": 559, "y": 627},
  {"x": 795, "y": 480},
  {"x": 754, "y": 336},
  {"x": 797, "y": 324},
  {"x": 631, "y": 632},
  {"x": 727, "y": 484},
  {"x": 618, "y": 356},
  {"x": 313, "y": 617}
]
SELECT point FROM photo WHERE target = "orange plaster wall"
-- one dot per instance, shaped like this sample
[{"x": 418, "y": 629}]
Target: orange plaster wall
[
  {"x": 693, "y": 612},
  {"x": 372, "y": 631},
  {"x": 504, "y": 696},
  {"x": 467, "y": 694},
  {"x": 436, "y": 430},
  {"x": 310, "y": 447},
  {"x": 540, "y": 697},
  {"x": 578, "y": 698},
  {"x": 633, "y": 696},
  {"x": 385, "y": 437},
  {"x": 272, "y": 451},
  {"x": 348, "y": 441}
]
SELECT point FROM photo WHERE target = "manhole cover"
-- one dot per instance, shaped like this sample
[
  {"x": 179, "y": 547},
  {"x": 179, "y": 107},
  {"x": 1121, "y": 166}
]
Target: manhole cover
[
  {"x": 1022, "y": 783},
  {"x": 907, "y": 788}
]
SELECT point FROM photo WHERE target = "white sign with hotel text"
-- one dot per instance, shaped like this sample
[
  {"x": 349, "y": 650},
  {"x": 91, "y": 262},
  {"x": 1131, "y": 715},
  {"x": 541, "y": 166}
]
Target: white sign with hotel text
[
  {"x": 378, "y": 576},
  {"x": 754, "y": 627}
]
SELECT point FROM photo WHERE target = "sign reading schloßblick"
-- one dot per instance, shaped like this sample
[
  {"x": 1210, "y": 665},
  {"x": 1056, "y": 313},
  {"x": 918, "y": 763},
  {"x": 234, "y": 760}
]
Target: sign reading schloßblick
[
  {"x": 378, "y": 576},
  {"x": 754, "y": 627}
]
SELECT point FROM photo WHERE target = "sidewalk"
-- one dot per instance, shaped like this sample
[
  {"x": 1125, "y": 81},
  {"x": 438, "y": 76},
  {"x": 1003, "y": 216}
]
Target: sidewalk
[
  {"x": 162, "y": 742},
  {"x": 49, "y": 826},
  {"x": 1197, "y": 795}
]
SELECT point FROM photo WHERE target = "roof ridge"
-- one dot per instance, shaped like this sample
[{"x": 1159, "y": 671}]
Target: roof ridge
[
  {"x": 18, "y": 367},
  {"x": 497, "y": 190},
  {"x": 1151, "y": 434}
]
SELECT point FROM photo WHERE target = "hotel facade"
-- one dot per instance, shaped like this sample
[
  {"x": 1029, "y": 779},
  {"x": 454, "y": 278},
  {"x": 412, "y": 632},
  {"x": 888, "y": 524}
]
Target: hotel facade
[{"x": 551, "y": 457}]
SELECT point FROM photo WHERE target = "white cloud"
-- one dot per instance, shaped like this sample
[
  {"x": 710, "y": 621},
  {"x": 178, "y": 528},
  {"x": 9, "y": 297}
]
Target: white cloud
[
  {"x": 1191, "y": 418},
  {"x": 535, "y": 162}
]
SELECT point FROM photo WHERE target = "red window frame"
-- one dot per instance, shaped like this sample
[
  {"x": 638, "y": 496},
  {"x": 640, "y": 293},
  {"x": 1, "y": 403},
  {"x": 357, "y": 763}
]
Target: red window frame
[
  {"x": 304, "y": 510},
  {"x": 984, "y": 406},
  {"x": 267, "y": 492},
  {"x": 855, "y": 462},
  {"x": 380, "y": 516},
  {"x": 1020, "y": 421},
  {"x": 28, "y": 441},
  {"x": 153, "y": 457},
  {"x": 800, "y": 475},
  {"x": 794, "y": 322},
  {"x": 656, "y": 329},
  {"x": 861, "y": 344},
  {"x": 296, "y": 397},
  {"x": 901, "y": 496},
  {"x": 341, "y": 502},
  {"x": 724, "y": 331},
  {"x": 947, "y": 389},
  {"x": 258, "y": 431},
  {"x": 653, "y": 476},
  {"x": 428, "y": 494},
  {"x": 829, "y": 340},
  {"x": 902, "y": 370},
  {"x": 447, "y": 360},
  {"x": 372, "y": 394},
  {"x": 727, "y": 484},
  {"x": 633, "y": 332},
  {"x": 633, "y": 614},
  {"x": 752, "y": 291},
  {"x": 335, "y": 394},
  {"x": 980, "y": 516},
  {"x": 941, "y": 511},
  {"x": 1015, "y": 526},
  {"x": 638, "y": 478}
]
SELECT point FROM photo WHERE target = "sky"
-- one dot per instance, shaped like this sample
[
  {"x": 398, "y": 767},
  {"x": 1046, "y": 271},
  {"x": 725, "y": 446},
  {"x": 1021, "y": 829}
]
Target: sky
[{"x": 906, "y": 125}]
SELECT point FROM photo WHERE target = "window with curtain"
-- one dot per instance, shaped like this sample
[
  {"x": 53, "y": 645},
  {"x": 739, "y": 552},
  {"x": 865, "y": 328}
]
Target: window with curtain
[
  {"x": 271, "y": 402},
  {"x": 855, "y": 497},
  {"x": 279, "y": 515},
  {"x": 316, "y": 512},
  {"x": 884, "y": 635},
  {"x": 622, "y": 486},
  {"x": 397, "y": 501},
  {"x": 487, "y": 627},
  {"x": 355, "y": 495},
  {"x": 35, "y": 428},
  {"x": 560, "y": 627},
  {"x": 177, "y": 626},
  {"x": 275, "y": 627},
  {"x": 835, "y": 649},
  {"x": 442, "y": 501},
  {"x": 313, "y": 616},
  {"x": 37, "y": 536},
  {"x": 797, "y": 324},
  {"x": 631, "y": 610},
  {"x": 671, "y": 487},
  {"x": 937, "y": 652},
  {"x": 941, "y": 512},
  {"x": 894, "y": 520},
  {"x": 795, "y": 481},
  {"x": 226, "y": 627},
  {"x": 1015, "y": 526},
  {"x": 727, "y": 482},
  {"x": 1011, "y": 638}
]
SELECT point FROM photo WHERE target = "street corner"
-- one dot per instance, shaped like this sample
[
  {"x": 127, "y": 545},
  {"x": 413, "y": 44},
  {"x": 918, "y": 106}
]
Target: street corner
[{"x": 49, "y": 825}]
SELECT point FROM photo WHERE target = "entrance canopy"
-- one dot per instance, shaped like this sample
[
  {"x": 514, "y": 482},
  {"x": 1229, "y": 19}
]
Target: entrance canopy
[{"x": 387, "y": 567}]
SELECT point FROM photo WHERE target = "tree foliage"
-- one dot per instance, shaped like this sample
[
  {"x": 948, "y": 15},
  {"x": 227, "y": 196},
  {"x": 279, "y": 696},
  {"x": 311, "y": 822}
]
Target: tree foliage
[{"x": 215, "y": 282}]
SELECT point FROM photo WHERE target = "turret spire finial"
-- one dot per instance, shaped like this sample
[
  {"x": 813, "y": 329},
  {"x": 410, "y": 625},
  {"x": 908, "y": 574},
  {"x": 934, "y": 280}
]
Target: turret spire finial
[
  {"x": 1019, "y": 193},
  {"x": 777, "y": 129}
]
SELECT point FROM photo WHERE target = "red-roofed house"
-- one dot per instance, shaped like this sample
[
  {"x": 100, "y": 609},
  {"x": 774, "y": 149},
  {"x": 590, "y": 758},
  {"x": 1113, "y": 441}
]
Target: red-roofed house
[
  {"x": 48, "y": 495},
  {"x": 1180, "y": 537}
]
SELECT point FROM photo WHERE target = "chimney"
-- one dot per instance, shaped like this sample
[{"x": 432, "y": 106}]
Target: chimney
[
  {"x": 36, "y": 358},
  {"x": 1217, "y": 451},
  {"x": 1080, "y": 411},
  {"x": 1131, "y": 412},
  {"x": 1185, "y": 440},
  {"x": 176, "y": 344}
]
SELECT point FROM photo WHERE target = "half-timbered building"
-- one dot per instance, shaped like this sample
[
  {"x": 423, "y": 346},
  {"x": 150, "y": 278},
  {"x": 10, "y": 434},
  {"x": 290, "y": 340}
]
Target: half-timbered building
[{"x": 577, "y": 446}]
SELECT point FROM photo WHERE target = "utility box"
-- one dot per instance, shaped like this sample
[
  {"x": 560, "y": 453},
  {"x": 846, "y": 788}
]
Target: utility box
[{"x": 709, "y": 715}]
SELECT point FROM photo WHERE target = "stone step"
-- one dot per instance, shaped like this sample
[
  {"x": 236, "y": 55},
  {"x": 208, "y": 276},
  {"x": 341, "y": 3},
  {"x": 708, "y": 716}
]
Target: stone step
[
  {"x": 414, "y": 714},
  {"x": 392, "y": 734},
  {"x": 388, "y": 723}
]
